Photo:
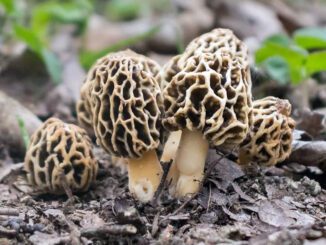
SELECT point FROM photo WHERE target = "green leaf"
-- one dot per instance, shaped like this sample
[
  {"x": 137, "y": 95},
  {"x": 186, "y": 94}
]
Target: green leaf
[
  {"x": 278, "y": 69},
  {"x": 124, "y": 9},
  {"x": 23, "y": 131},
  {"x": 293, "y": 55},
  {"x": 281, "y": 39},
  {"x": 88, "y": 58},
  {"x": 29, "y": 37},
  {"x": 71, "y": 12},
  {"x": 311, "y": 38},
  {"x": 9, "y": 6},
  {"x": 49, "y": 59},
  {"x": 316, "y": 62},
  {"x": 53, "y": 65}
]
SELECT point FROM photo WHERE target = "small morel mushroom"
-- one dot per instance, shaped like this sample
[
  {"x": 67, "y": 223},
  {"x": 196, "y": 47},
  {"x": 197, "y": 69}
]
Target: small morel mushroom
[
  {"x": 209, "y": 99},
  {"x": 126, "y": 109},
  {"x": 60, "y": 152},
  {"x": 270, "y": 139}
]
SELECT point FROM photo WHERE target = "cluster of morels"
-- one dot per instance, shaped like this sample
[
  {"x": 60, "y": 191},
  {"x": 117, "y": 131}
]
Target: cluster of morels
[{"x": 199, "y": 99}]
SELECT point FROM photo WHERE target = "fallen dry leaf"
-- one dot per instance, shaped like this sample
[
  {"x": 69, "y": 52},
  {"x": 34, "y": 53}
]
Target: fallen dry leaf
[
  {"x": 311, "y": 122},
  {"x": 309, "y": 153},
  {"x": 272, "y": 214}
]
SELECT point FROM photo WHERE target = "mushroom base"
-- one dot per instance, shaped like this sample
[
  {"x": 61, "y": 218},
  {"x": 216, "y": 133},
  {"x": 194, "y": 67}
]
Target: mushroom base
[
  {"x": 190, "y": 162},
  {"x": 145, "y": 174}
]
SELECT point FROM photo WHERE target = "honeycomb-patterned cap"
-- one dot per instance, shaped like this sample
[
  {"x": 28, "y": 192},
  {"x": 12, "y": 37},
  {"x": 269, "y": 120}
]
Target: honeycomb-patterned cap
[
  {"x": 212, "y": 91},
  {"x": 270, "y": 138},
  {"x": 84, "y": 113},
  {"x": 58, "y": 149},
  {"x": 126, "y": 104}
]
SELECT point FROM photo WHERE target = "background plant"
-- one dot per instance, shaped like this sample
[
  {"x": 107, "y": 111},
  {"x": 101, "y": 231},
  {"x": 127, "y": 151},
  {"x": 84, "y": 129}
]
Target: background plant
[
  {"x": 34, "y": 25},
  {"x": 293, "y": 59}
]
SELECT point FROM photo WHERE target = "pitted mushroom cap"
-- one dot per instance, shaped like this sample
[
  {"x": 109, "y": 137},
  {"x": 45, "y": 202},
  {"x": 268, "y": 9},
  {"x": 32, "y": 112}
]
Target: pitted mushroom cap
[
  {"x": 58, "y": 148},
  {"x": 84, "y": 112},
  {"x": 270, "y": 138},
  {"x": 212, "y": 92},
  {"x": 126, "y": 104}
]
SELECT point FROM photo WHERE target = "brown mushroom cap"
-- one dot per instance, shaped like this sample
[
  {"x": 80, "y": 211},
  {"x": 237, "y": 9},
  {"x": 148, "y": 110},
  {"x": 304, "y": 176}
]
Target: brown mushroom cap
[
  {"x": 212, "y": 92},
  {"x": 83, "y": 107},
  {"x": 58, "y": 148},
  {"x": 125, "y": 101},
  {"x": 270, "y": 138}
]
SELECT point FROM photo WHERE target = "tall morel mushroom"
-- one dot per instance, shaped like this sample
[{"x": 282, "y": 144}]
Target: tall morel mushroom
[
  {"x": 60, "y": 152},
  {"x": 270, "y": 139},
  {"x": 83, "y": 108},
  {"x": 125, "y": 100},
  {"x": 209, "y": 99}
]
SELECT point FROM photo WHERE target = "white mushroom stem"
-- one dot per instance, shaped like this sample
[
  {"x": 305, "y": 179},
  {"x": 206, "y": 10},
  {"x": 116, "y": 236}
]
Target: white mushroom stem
[
  {"x": 145, "y": 174},
  {"x": 190, "y": 162},
  {"x": 169, "y": 154}
]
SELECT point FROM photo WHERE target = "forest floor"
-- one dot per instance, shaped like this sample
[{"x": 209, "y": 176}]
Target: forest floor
[{"x": 276, "y": 206}]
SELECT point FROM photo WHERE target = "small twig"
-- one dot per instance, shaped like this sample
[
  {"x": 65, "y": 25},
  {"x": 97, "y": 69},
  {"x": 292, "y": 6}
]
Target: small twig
[
  {"x": 13, "y": 169},
  {"x": 9, "y": 211},
  {"x": 166, "y": 168},
  {"x": 192, "y": 197},
  {"x": 155, "y": 224},
  {"x": 209, "y": 198},
  {"x": 105, "y": 230},
  {"x": 7, "y": 232},
  {"x": 67, "y": 189}
]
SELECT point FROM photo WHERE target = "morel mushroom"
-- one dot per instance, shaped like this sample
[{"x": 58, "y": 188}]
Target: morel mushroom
[
  {"x": 270, "y": 139},
  {"x": 83, "y": 107},
  {"x": 60, "y": 152},
  {"x": 209, "y": 99},
  {"x": 126, "y": 109}
]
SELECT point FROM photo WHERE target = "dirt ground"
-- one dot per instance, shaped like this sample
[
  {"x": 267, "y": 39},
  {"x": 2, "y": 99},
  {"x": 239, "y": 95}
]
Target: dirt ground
[{"x": 275, "y": 206}]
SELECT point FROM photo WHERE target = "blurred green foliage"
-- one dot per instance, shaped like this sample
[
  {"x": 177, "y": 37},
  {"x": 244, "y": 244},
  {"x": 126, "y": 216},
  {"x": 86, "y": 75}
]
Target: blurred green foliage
[
  {"x": 88, "y": 58},
  {"x": 34, "y": 22},
  {"x": 33, "y": 25},
  {"x": 23, "y": 131},
  {"x": 293, "y": 59},
  {"x": 124, "y": 10}
]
